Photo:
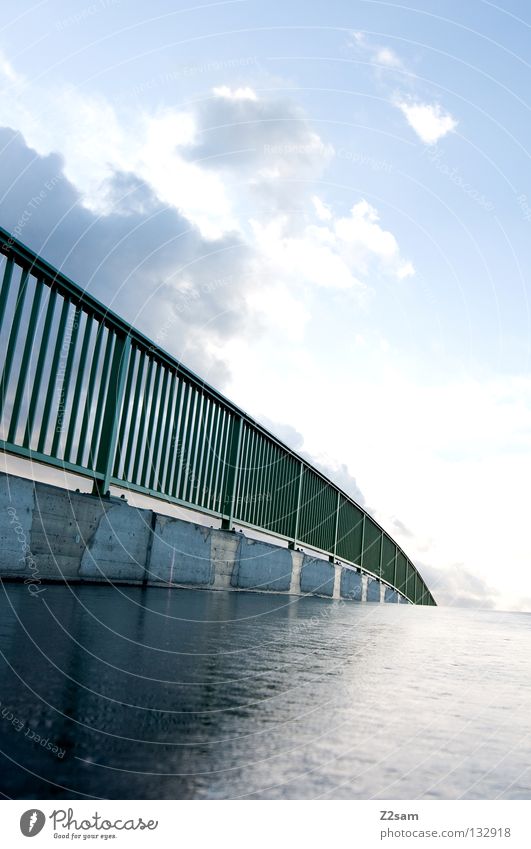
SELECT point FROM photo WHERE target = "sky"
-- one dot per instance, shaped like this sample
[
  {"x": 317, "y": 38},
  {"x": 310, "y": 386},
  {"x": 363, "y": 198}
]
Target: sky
[{"x": 325, "y": 210}]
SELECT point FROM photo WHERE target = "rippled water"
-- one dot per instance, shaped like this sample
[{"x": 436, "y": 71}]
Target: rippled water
[{"x": 161, "y": 693}]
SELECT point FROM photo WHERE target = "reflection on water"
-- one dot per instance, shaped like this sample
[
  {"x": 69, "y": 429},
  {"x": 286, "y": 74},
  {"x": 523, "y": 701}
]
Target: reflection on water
[{"x": 157, "y": 693}]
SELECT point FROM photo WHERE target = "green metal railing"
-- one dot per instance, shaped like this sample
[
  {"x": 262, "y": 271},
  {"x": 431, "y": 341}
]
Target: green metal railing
[{"x": 83, "y": 390}]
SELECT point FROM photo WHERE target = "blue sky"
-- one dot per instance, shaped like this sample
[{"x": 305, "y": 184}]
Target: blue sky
[{"x": 326, "y": 210}]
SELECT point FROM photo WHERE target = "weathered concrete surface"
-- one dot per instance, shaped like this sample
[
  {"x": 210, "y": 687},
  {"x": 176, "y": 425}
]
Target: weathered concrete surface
[
  {"x": 373, "y": 590},
  {"x": 117, "y": 549},
  {"x": 51, "y": 534},
  {"x": 63, "y": 525},
  {"x": 261, "y": 566},
  {"x": 181, "y": 554},
  {"x": 317, "y": 576},
  {"x": 390, "y": 595},
  {"x": 16, "y": 518},
  {"x": 351, "y": 585},
  {"x": 296, "y": 561},
  {"x": 337, "y": 582},
  {"x": 223, "y": 553}
]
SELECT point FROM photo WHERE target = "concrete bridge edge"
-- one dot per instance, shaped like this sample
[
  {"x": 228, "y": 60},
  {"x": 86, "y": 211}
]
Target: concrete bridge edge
[{"x": 51, "y": 534}]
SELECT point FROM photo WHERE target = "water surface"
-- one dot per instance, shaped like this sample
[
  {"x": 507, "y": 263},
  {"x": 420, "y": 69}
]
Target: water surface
[{"x": 158, "y": 693}]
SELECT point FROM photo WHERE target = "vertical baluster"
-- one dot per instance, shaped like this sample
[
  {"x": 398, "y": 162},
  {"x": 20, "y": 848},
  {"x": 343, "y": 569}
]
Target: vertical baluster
[
  {"x": 78, "y": 387},
  {"x": 232, "y": 471},
  {"x": 149, "y": 437},
  {"x": 90, "y": 394},
  {"x": 171, "y": 465},
  {"x": 100, "y": 405},
  {"x": 206, "y": 424},
  {"x": 142, "y": 412},
  {"x": 213, "y": 459},
  {"x": 157, "y": 458},
  {"x": 380, "y": 558},
  {"x": 362, "y": 557},
  {"x": 30, "y": 342},
  {"x": 297, "y": 506},
  {"x": 113, "y": 410},
  {"x": 134, "y": 416},
  {"x": 336, "y": 526},
  {"x": 222, "y": 454},
  {"x": 181, "y": 457},
  {"x": 6, "y": 286},
  {"x": 184, "y": 468},
  {"x": 190, "y": 490},
  {"x": 39, "y": 371},
  {"x": 13, "y": 338},
  {"x": 50, "y": 393},
  {"x": 170, "y": 405},
  {"x": 158, "y": 430},
  {"x": 63, "y": 395},
  {"x": 125, "y": 417}
]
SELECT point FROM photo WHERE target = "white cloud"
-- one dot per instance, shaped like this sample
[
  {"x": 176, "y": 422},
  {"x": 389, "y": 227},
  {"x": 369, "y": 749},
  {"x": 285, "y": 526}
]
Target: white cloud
[
  {"x": 377, "y": 54},
  {"x": 278, "y": 309},
  {"x": 264, "y": 144},
  {"x": 407, "y": 269},
  {"x": 322, "y": 210},
  {"x": 95, "y": 142},
  {"x": 7, "y": 70},
  {"x": 428, "y": 120},
  {"x": 337, "y": 254},
  {"x": 358, "y": 37},
  {"x": 302, "y": 259},
  {"x": 84, "y": 130},
  {"x": 243, "y": 93},
  {"x": 199, "y": 193},
  {"x": 388, "y": 57},
  {"x": 362, "y": 240}
]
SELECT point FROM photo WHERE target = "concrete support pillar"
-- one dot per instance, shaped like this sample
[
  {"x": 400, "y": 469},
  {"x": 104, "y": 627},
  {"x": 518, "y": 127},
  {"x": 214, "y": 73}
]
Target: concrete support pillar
[
  {"x": 296, "y": 563},
  {"x": 224, "y": 554},
  {"x": 337, "y": 582}
]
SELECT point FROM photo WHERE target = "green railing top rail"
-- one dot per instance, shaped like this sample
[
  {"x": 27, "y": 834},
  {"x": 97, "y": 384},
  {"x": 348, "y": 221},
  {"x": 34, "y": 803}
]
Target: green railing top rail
[{"x": 121, "y": 377}]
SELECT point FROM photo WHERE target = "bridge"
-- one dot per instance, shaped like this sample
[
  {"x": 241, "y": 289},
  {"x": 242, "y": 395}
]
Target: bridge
[{"x": 84, "y": 391}]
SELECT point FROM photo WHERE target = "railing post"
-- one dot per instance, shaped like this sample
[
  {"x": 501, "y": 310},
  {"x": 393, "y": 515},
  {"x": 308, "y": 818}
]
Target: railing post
[
  {"x": 362, "y": 542},
  {"x": 332, "y": 556},
  {"x": 409, "y": 576},
  {"x": 111, "y": 415},
  {"x": 231, "y": 480},
  {"x": 292, "y": 544},
  {"x": 6, "y": 286}
]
